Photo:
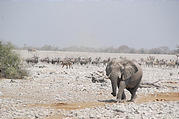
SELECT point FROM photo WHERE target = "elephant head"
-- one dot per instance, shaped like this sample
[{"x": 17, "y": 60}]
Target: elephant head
[{"x": 118, "y": 70}]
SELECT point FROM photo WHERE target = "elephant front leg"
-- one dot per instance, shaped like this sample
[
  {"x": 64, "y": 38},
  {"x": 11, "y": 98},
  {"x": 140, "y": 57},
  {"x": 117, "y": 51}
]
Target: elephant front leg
[{"x": 121, "y": 94}]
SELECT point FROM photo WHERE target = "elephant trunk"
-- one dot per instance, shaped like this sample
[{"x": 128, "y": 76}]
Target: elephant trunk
[{"x": 114, "y": 81}]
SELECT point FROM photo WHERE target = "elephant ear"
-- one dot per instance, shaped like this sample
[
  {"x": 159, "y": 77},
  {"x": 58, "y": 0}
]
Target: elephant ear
[
  {"x": 108, "y": 70},
  {"x": 129, "y": 70}
]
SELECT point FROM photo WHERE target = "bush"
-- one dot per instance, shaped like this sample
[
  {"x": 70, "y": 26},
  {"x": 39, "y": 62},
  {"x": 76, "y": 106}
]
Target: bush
[{"x": 10, "y": 63}]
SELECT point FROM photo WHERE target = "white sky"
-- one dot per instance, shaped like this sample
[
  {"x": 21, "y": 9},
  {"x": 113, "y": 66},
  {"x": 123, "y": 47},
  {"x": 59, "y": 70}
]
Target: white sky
[{"x": 93, "y": 23}]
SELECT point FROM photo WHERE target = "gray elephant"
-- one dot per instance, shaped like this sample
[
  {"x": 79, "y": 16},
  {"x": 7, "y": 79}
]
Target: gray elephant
[{"x": 124, "y": 74}]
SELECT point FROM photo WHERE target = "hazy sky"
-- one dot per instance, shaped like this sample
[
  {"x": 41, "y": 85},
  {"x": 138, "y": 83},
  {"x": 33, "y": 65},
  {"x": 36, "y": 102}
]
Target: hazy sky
[{"x": 93, "y": 23}]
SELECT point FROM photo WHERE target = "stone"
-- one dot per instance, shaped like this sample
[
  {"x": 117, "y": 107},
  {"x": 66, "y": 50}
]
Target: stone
[
  {"x": 92, "y": 115},
  {"x": 1, "y": 94}
]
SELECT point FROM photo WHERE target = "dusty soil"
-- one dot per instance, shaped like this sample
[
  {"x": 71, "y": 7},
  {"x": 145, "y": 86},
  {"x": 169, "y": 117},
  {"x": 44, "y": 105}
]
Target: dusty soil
[
  {"x": 53, "y": 92},
  {"x": 168, "y": 96}
]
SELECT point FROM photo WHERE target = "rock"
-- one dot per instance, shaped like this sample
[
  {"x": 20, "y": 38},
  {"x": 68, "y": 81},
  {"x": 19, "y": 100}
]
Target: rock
[
  {"x": 104, "y": 84},
  {"x": 77, "y": 77},
  {"x": 1, "y": 94},
  {"x": 12, "y": 81},
  {"x": 51, "y": 72},
  {"x": 99, "y": 80},
  {"x": 118, "y": 110},
  {"x": 84, "y": 89},
  {"x": 91, "y": 116},
  {"x": 76, "y": 114},
  {"x": 42, "y": 66},
  {"x": 47, "y": 88},
  {"x": 93, "y": 80}
]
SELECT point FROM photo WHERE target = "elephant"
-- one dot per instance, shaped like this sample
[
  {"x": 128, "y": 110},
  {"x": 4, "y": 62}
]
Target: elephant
[{"x": 124, "y": 74}]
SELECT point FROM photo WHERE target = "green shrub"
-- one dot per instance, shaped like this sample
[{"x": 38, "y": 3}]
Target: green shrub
[{"x": 10, "y": 63}]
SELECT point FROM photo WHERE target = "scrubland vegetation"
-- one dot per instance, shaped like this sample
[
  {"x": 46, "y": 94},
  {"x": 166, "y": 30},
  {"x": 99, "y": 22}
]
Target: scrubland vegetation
[{"x": 10, "y": 62}]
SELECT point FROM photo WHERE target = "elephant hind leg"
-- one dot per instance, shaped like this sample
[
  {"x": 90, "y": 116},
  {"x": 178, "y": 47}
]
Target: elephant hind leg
[{"x": 133, "y": 92}]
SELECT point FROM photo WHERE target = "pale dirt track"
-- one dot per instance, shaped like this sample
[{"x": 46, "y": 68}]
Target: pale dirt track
[{"x": 141, "y": 99}]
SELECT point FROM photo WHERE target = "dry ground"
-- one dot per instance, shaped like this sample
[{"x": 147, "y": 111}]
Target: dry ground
[{"x": 53, "y": 92}]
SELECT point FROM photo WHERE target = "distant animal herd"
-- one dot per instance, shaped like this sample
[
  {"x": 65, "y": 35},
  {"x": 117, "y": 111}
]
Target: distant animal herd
[
  {"x": 151, "y": 61},
  {"x": 67, "y": 62}
]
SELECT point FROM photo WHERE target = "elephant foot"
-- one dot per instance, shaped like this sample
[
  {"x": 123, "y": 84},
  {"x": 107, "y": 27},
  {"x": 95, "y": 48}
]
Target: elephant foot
[
  {"x": 113, "y": 94},
  {"x": 123, "y": 98},
  {"x": 130, "y": 100},
  {"x": 120, "y": 101},
  {"x": 133, "y": 99}
]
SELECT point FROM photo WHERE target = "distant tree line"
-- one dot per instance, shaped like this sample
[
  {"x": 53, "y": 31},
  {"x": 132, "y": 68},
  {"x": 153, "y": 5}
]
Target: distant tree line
[
  {"x": 125, "y": 49},
  {"x": 45, "y": 48},
  {"x": 120, "y": 49}
]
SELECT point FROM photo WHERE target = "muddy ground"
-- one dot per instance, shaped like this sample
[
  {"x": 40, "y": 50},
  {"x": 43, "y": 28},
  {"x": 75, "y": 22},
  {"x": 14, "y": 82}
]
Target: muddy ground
[{"x": 53, "y": 92}]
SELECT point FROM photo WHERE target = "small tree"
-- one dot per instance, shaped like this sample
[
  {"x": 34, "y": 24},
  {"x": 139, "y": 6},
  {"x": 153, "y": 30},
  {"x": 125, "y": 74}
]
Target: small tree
[{"x": 10, "y": 63}]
